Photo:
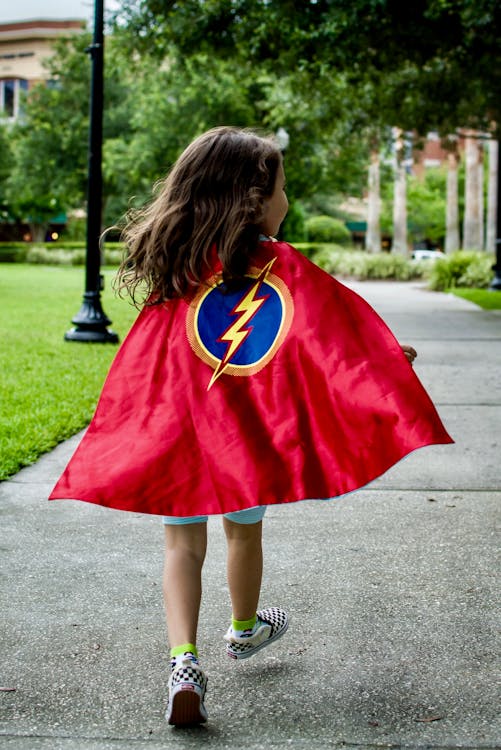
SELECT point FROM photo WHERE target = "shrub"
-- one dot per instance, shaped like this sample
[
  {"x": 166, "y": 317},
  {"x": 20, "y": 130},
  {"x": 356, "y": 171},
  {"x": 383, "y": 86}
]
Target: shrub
[
  {"x": 479, "y": 273},
  {"x": 308, "y": 249},
  {"x": 60, "y": 254},
  {"x": 327, "y": 229},
  {"x": 361, "y": 265},
  {"x": 112, "y": 257},
  {"x": 55, "y": 257},
  {"x": 312, "y": 250},
  {"x": 465, "y": 268},
  {"x": 75, "y": 230},
  {"x": 13, "y": 252},
  {"x": 293, "y": 228},
  {"x": 63, "y": 245}
]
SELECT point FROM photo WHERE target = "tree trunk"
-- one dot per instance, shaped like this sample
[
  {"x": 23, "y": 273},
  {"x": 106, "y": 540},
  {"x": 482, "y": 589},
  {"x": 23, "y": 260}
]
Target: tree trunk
[
  {"x": 399, "y": 198},
  {"x": 38, "y": 232},
  {"x": 471, "y": 232},
  {"x": 373, "y": 234},
  {"x": 452, "y": 212},
  {"x": 492, "y": 198},
  {"x": 480, "y": 168}
]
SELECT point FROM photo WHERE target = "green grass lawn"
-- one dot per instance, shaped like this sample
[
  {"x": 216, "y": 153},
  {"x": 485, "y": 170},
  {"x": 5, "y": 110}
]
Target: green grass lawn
[
  {"x": 49, "y": 387},
  {"x": 485, "y": 298}
]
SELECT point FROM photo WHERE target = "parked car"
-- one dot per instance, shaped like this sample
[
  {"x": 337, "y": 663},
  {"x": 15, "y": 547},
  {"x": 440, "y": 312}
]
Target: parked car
[{"x": 427, "y": 254}]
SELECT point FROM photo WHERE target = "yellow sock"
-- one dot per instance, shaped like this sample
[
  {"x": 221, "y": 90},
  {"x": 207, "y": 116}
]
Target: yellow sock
[
  {"x": 185, "y": 648},
  {"x": 241, "y": 625}
]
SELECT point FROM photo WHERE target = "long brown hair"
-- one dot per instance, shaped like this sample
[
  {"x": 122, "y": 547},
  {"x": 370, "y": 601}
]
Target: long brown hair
[{"x": 214, "y": 196}]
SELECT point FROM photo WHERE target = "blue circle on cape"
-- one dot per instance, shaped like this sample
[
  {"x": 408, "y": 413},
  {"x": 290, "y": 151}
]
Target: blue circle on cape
[{"x": 216, "y": 315}]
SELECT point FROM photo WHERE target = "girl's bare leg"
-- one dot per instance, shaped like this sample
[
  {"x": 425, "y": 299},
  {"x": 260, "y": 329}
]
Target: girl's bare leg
[
  {"x": 245, "y": 566},
  {"x": 185, "y": 547}
]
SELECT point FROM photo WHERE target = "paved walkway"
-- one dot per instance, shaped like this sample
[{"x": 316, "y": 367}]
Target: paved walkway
[{"x": 391, "y": 592}]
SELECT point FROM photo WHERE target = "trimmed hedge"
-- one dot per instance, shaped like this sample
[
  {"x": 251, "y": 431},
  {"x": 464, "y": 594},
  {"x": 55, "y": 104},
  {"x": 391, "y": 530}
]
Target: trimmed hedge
[
  {"x": 56, "y": 254},
  {"x": 13, "y": 252},
  {"x": 361, "y": 265}
]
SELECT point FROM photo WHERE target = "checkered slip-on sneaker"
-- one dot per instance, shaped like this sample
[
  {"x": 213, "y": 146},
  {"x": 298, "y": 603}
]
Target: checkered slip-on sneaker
[
  {"x": 272, "y": 624},
  {"x": 187, "y": 686}
]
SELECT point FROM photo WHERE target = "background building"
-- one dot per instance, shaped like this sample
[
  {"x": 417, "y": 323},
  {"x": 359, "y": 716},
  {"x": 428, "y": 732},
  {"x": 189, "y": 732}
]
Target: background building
[{"x": 24, "y": 45}]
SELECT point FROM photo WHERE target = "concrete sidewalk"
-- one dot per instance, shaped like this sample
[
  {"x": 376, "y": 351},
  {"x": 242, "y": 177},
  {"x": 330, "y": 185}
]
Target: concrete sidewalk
[{"x": 391, "y": 592}]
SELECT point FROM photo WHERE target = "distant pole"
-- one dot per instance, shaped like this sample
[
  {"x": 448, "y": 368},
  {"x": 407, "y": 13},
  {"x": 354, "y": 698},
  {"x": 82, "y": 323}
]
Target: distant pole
[
  {"x": 90, "y": 321},
  {"x": 496, "y": 282}
]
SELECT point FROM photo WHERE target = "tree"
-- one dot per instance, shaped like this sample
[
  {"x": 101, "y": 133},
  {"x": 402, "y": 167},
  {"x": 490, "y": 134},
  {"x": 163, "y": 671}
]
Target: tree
[
  {"x": 399, "y": 244},
  {"x": 480, "y": 181},
  {"x": 472, "y": 221},
  {"x": 452, "y": 239},
  {"x": 492, "y": 196},
  {"x": 427, "y": 206},
  {"x": 436, "y": 62},
  {"x": 49, "y": 142},
  {"x": 5, "y": 167},
  {"x": 48, "y": 174},
  {"x": 420, "y": 66},
  {"x": 175, "y": 100},
  {"x": 153, "y": 108},
  {"x": 373, "y": 234}
]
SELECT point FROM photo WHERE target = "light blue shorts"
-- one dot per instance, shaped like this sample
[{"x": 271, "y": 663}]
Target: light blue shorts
[{"x": 247, "y": 516}]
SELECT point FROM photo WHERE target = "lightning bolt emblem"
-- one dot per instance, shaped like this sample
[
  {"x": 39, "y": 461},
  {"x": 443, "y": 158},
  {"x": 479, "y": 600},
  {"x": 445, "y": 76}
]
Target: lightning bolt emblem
[{"x": 237, "y": 332}]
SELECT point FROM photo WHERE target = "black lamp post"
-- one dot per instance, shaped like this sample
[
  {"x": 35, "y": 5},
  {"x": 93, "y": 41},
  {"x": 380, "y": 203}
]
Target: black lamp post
[
  {"x": 90, "y": 321},
  {"x": 496, "y": 282}
]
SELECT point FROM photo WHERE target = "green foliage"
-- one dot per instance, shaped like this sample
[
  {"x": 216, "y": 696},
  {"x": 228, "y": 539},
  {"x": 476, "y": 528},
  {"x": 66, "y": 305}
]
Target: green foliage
[
  {"x": 13, "y": 252},
  {"x": 315, "y": 250},
  {"x": 49, "y": 387},
  {"x": 293, "y": 228},
  {"x": 5, "y": 167},
  {"x": 360, "y": 265},
  {"x": 426, "y": 205},
  {"x": 68, "y": 256},
  {"x": 38, "y": 254},
  {"x": 113, "y": 255},
  {"x": 461, "y": 269},
  {"x": 49, "y": 143},
  {"x": 153, "y": 109},
  {"x": 168, "y": 107},
  {"x": 48, "y": 174},
  {"x": 326, "y": 151},
  {"x": 428, "y": 65},
  {"x": 431, "y": 65},
  {"x": 63, "y": 244},
  {"x": 327, "y": 229},
  {"x": 75, "y": 230},
  {"x": 479, "y": 273},
  {"x": 333, "y": 74}
]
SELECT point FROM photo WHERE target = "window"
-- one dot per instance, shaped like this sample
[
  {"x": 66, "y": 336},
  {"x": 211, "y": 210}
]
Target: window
[{"x": 10, "y": 96}]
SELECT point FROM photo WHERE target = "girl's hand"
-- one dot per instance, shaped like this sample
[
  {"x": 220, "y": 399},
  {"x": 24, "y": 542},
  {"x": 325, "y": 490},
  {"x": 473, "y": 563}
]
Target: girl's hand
[{"x": 409, "y": 352}]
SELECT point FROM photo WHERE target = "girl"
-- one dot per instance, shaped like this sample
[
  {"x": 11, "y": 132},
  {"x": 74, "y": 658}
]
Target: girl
[{"x": 251, "y": 377}]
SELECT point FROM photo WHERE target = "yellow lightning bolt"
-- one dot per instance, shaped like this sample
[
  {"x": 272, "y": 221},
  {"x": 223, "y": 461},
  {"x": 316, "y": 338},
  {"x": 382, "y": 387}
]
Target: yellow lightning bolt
[{"x": 236, "y": 334}]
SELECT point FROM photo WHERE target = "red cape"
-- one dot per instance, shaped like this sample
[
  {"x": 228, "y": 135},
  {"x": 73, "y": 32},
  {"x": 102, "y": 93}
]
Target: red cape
[{"x": 304, "y": 393}]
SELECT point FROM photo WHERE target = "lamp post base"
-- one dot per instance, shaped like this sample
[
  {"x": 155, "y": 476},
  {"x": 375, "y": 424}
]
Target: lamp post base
[
  {"x": 90, "y": 323},
  {"x": 104, "y": 336}
]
